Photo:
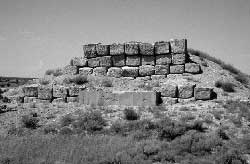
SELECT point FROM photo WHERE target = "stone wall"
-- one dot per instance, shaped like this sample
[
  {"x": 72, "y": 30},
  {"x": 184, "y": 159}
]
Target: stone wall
[{"x": 134, "y": 59}]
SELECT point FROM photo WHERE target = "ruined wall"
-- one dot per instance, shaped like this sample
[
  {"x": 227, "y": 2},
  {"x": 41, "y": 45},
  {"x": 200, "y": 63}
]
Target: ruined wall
[{"x": 134, "y": 59}]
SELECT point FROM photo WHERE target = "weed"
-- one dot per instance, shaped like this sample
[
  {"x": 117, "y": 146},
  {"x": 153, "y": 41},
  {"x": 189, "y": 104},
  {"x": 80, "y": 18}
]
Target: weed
[
  {"x": 130, "y": 114},
  {"x": 29, "y": 121}
]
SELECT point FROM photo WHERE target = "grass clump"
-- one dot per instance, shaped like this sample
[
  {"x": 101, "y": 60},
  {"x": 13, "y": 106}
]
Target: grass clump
[
  {"x": 29, "y": 121},
  {"x": 130, "y": 114},
  {"x": 242, "y": 79},
  {"x": 226, "y": 86},
  {"x": 54, "y": 72},
  {"x": 44, "y": 81}
]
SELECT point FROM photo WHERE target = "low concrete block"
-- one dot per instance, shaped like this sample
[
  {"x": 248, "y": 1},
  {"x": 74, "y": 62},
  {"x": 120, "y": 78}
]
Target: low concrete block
[
  {"x": 29, "y": 99},
  {"x": 79, "y": 61},
  {"x": 177, "y": 69},
  {"x": 192, "y": 68},
  {"x": 163, "y": 59},
  {"x": 130, "y": 71},
  {"x": 158, "y": 77},
  {"x": 74, "y": 90},
  {"x": 105, "y": 61},
  {"x": 161, "y": 69},
  {"x": 186, "y": 91},
  {"x": 131, "y": 49},
  {"x": 72, "y": 99},
  {"x": 202, "y": 93},
  {"x": 94, "y": 62},
  {"x": 30, "y": 90},
  {"x": 185, "y": 101},
  {"x": 118, "y": 60},
  {"x": 60, "y": 91},
  {"x": 100, "y": 71},
  {"x": 101, "y": 98},
  {"x": 146, "y": 70},
  {"x": 133, "y": 60},
  {"x": 70, "y": 70},
  {"x": 58, "y": 100},
  {"x": 102, "y": 50},
  {"x": 169, "y": 100},
  {"x": 45, "y": 92},
  {"x": 146, "y": 49},
  {"x": 162, "y": 47},
  {"x": 147, "y": 60},
  {"x": 114, "y": 72},
  {"x": 178, "y": 45},
  {"x": 117, "y": 49},
  {"x": 169, "y": 90},
  {"x": 178, "y": 58},
  {"x": 16, "y": 99},
  {"x": 85, "y": 71},
  {"x": 89, "y": 50}
]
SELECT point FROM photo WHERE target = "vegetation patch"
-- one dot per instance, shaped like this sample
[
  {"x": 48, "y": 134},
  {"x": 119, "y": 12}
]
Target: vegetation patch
[{"x": 226, "y": 86}]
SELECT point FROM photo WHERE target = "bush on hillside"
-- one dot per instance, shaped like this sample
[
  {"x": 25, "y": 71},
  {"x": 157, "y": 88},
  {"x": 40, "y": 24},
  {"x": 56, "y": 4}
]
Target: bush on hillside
[
  {"x": 29, "y": 121},
  {"x": 66, "y": 120},
  {"x": 242, "y": 79},
  {"x": 226, "y": 86},
  {"x": 54, "y": 72},
  {"x": 130, "y": 114}
]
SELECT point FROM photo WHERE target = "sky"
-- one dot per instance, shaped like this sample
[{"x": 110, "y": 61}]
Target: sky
[{"x": 36, "y": 35}]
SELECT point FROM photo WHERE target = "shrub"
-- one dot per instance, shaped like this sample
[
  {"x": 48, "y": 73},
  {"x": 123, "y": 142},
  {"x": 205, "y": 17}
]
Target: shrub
[
  {"x": 90, "y": 121},
  {"x": 66, "y": 120},
  {"x": 29, "y": 121},
  {"x": 44, "y": 81},
  {"x": 106, "y": 82},
  {"x": 79, "y": 80},
  {"x": 54, "y": 72},
  {"x": 226, "y": 86},
  {"x": 49, "y": 72},
  {"x": 242, "y": 78},
  {"x": 66, "y": 131},
  {"x": 130, "y": 114}
]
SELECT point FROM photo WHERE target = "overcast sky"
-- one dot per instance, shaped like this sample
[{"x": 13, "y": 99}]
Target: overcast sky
[{"x": 39, "y": 34}]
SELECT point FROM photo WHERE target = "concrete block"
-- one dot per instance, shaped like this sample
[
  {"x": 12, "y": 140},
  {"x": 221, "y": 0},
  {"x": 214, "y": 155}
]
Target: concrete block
[
  {"x": 178, "y": 58},
  {"x": 169, "y": 100},
  {"x": 146, "y": 70},
  {"x": 186, "y": 91},
  {"x": 178, "y": 45},
  {"x": 94, "y": 62},
  {"x": 192, "y": 68},
  {"x": 185, "y": 101},
  {"x": 117, "y": 49},
  {"x": 130, "y": 71},
  {"x": 131, "y": 49},
  {"x": 58, "y": 100},
  {"x": 85, "y": 71},
  {"x": 70, "y": 70},
  {"x": 169, "y": 90},
  {"x": 16, "y": 99},
  {"x": 30, "y": 90},
  {"x": 133, "y": 60},
  {"x": 29, "y": 99},
  {"x": 45, "y": 92},
  {"x": 89, "y": 50},
  {"x": 202, "y": 93},
  {"x": 177, "y": 69},
  {"x": 161, "y": 69},
  {"x": 118, "y": 60},
  {"x": 146, "y": 49},
  {"x": 162, "y": 47},
  {"x": 74, "y": 90},
  {"x": 102, "y": 50},
  {"x": 100, "y": 71},
  {"x": 158, "y": 77},
  {"x": 114, "y": 72},
  {"x": 105, "y": 61},
  {"x": 72, "y": 99},
  {"x": 60, "y": 91},
  {"x": 147, "y": 60},
  {"x": 163, "y": 59},
  {"x": 79, "y": 61}
]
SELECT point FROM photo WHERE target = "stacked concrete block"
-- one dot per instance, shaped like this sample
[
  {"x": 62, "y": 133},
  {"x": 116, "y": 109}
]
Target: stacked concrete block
[
  {"x": 162, "y": 47},
  {"x": 146, "y": 49},
  {"x": 100, "y": 71},
  {"x": 163, "y": 59},
  {"x": 72, "y": 99},
  {"x": 148, "y": 60},
  {"x": 45, "y": 92},
  {"x": 178, "y": 46},
  {"x": 186, "y": 91},
  {"x": 60, "y": 91},
  {"x": 203, "y": 93},
  {"x": 29, "y": 99},
  {"x": 114, "y": 72},
  {"x": 89, "y": 51},
  {"x": 94, "y": 62},
  {"x": 116, "y": 49},
  {"x": 86, "y": 71},
  {"x": 192, "y": 68},
  {"x": 158, "y": 77},
  {"x": 169, "y": 100},
  {"x": 105, "y": 61},
  {"x": 102, "y": 50},
  {"x": 133, "y": 61},
  {"x": 169, "y": 90},
  {"x": 131, "y": 49},
  {"x": 130, "y": 71},
  {"x": 118, "y": 60},
  {"x": 79, "y": 61},
  {"x": 162, "y": 69},
  {"x": 177, "y": 69},
  {"x": 31, "y": 90},
  {"x": 178, "y": 58},
  {"x": 58, "y": 100},
  {"x": 146, "y": 70}
]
